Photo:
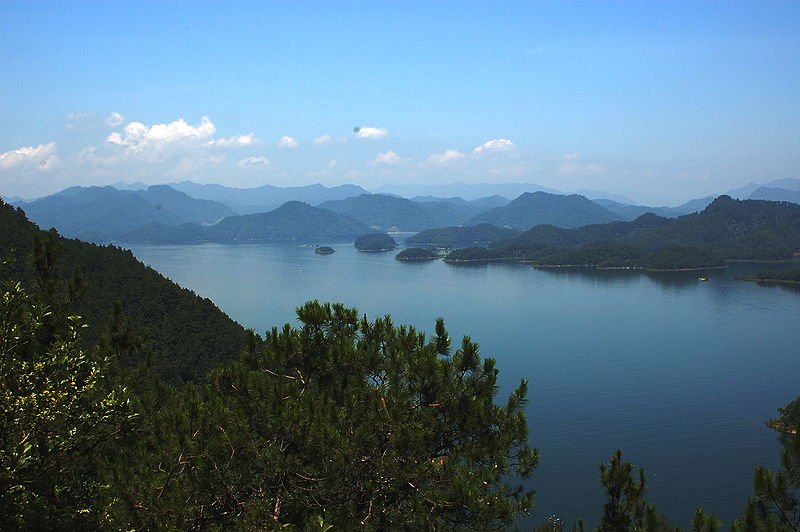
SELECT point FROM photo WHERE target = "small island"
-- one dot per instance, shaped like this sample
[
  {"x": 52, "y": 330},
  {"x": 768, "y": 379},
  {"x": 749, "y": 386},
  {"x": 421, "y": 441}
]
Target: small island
[
  {"x": 416, "y": 254},
  {"x": 787, "y": 277},
  {"x": 375, "y": 242},
  {"x": 324, "y": 250}
]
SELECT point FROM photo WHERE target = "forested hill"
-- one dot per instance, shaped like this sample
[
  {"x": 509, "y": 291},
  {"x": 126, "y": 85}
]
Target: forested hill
[
  {"x": 188, "y": 334},
  {"x": 531, "y": 209},
  {"x": 727, "y": 229},
  {"x": 455, "y": 237},
  {"x": 104, "y": 214},
  {"x": 292, "y": 221},
  {"x": 384, "y": 213}
]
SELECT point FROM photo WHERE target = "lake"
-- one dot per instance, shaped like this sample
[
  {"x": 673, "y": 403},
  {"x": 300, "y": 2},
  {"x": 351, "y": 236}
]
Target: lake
[{"x": 680, "y": 374}]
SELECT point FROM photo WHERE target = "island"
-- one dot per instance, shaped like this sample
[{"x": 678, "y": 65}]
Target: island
[
  {"x": 787, "y": 277},
  {"x": 375, "y": 242},
  {"x": 416, "y": 254},
  {"x": 324, "y": 250}
]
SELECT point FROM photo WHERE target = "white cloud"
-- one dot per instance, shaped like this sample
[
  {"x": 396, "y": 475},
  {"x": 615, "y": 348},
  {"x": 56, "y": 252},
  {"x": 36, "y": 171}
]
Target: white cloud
[
  {"x": 41, "y": 157},
  {"x": 323, "y": 139},
  {"x": 251, "y": 162},
  {"x": 81, "y": 121},
  {"x": 114, "y": 119},
  {"x": 237, "y": 140},
  {"x": 495, "y": 145},
  {"x": 371, "y": 132},
  {"x": 138, "y": 136},
  {"x": 388, "y": 157},
  {"x": 445, "y": 156},
  {"x": 288, "y": 142},
  {"x": 571, "y": 165}
]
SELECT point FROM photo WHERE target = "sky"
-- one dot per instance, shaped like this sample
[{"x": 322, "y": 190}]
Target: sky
[{"x": 657, "y": 101}]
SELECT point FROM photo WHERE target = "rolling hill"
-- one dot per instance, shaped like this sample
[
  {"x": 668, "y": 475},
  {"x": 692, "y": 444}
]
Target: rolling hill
[{"x": 531, "y": 209}]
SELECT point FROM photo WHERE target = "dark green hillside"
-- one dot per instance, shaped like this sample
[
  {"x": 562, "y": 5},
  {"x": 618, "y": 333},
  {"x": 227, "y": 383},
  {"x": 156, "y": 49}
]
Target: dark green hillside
[
  {"x": 416, "y": 254},
  {"x": 738, "y": 229},
  {"x": 103, "y": 214},
  {"x": 375, "y": 242},
  {"x": 726, "y": 230},
  {"x": 383, "y": 212},
  {"x": 187, "y": 334},
  {"x": 456, "y": 237},
  {"x": 549, "y": 235},
  {"x": 531, "y": 209}
]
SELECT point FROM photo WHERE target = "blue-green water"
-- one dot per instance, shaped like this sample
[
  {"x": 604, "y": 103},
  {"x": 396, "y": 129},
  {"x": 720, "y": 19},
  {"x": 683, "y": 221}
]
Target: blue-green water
[{"x": 678, "y": 373}]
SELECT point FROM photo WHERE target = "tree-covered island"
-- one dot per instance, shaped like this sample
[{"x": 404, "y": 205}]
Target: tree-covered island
[{"x": 375, "y": 242}]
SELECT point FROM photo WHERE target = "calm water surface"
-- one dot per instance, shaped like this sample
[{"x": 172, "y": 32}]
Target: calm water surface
[{"x": 679, "y": 374}]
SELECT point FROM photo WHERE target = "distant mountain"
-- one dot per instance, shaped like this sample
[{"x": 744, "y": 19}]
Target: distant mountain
[
  {"x": 458, "y": 237},
  {"x": 631, "y": 212},
  {"x": 102, "y": 214},
  {"x": 293, "y": 220},
  {"x": 188, "y": 335},
  {"x": 775, "y": 194},
  {"x": 383, "y": 212},
  {"x": 464, "y": 190},
  {"x": 788, "y": 183},
  {"x": 537, "y": 208},
  {"x": 266, "y": 197},
  {"x": 600, "y": 194},
  {"x": 725, "y": 230}
]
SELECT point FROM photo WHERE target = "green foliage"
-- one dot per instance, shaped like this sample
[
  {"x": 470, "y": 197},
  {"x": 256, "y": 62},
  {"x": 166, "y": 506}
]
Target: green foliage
[
  {"x": 775, "y": 505},
  {"x": 58, "y": 411},
  {"x": 188, "y": 335},
  {"x": 790, "y": 276},
  {"x": 361, "y": 422}
]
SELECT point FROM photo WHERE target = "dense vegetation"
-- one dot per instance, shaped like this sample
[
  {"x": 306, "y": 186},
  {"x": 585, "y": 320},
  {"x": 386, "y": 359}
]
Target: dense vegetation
[
  {"x": 375, "y": 242},
  {"x": 459, "y": 237},
  {"x": 531, "y": 209},
  {"x": 726, "y": 230},
  {"x": 414, "y": 254},
  {"x": 186, "y": 334},
  {"x": 103, "y": 214},
  {"x": 790, "y": 276},
  {"x": 292, "y": 221},
  {"x": 340, "y": 422}
]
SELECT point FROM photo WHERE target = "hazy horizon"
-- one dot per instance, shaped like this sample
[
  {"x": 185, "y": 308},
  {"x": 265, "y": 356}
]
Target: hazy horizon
[{"x": 660, "y": 103}]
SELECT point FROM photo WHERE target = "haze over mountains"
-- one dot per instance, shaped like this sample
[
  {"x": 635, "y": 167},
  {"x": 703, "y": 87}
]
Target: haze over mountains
[{"x": 214, "y": 213}]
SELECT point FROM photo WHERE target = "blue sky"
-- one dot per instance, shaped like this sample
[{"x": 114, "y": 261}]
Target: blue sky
[{"x": 658, "y": 101}]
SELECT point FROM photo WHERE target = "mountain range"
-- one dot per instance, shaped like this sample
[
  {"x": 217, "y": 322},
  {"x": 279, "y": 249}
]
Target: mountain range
[
  {"x": 535, "y": 208},
  {"x": 266, "y": 197},
  {"x": 102, "y": 214}
]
